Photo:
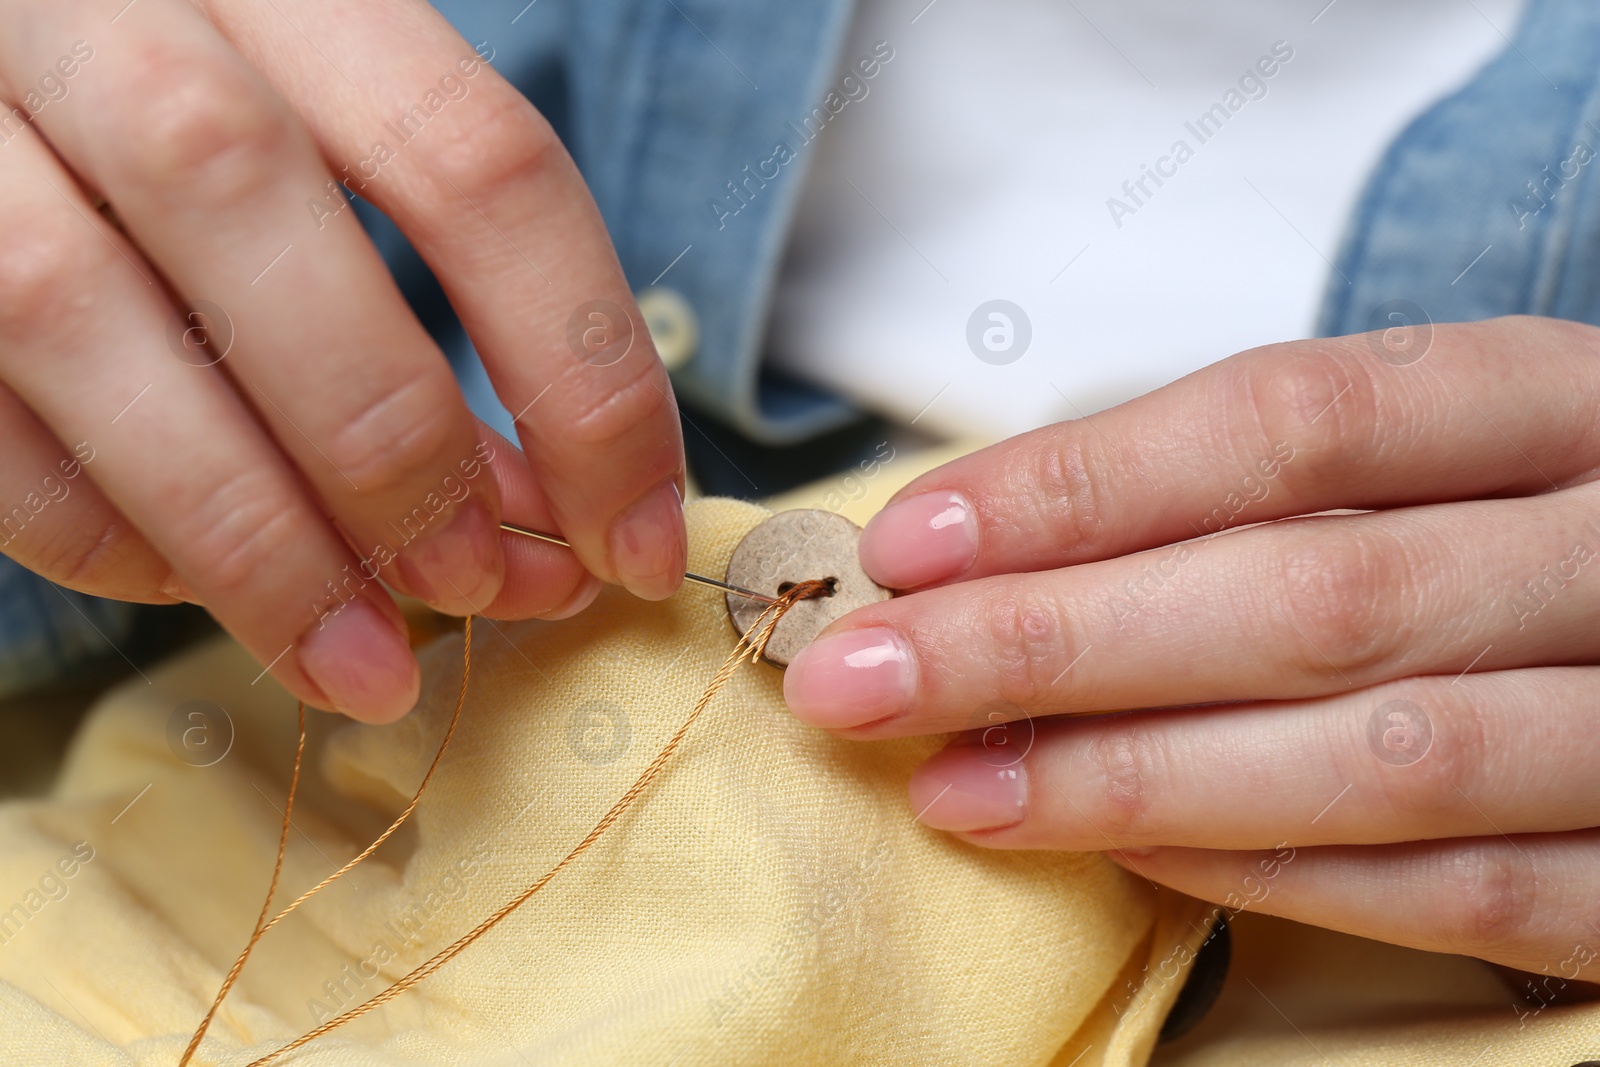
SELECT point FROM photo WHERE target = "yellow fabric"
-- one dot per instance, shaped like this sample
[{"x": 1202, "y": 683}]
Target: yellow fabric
[
  {"x": 771, "y": 899},
  {"x": 1298, "y": 996}
]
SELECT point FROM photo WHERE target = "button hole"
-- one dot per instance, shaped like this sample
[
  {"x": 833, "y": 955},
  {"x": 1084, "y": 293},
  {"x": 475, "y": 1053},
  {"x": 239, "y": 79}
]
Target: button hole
[{"x": 833, "y": 587}]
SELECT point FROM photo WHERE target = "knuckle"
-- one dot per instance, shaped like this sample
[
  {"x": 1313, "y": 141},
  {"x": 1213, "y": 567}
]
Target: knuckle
[
  {"x": 1580, "y": 339},
  {"x": 399, "y": 433},
  {"x": 1489, "y": 899},
  {"x": 207, "y": 126},
  {"x": 1319, "y": 401},
  {"x": 1028, "y": 648},
  {"x": 87, "y": 560},
  {"x": 237, "y": 533},
  {"x": 1130, "y": 762},
  {"x": 1339, "y": 592},
  {"x": 505, "y": 140},
  {"x": 1050, "y": 489},
  {"x": 1456, "y": 755},
  {"x": 602, "y": 419},
  {"x": 46, "y": 273}
]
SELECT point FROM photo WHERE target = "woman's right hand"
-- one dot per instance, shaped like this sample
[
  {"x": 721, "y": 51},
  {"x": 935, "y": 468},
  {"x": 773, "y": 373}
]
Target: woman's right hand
[{"x": 222, "y": 397}]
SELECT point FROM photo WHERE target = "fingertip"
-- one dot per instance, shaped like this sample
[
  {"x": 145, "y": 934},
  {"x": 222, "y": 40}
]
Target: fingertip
[
  {"x": 650, "y": 543},
  {"x": 362, "y": 662},
  {"x": 584, "y": 595},
  {"x": 458, "y": 568},
  {"x": 960, "y": 790},
  {"x": 1129, "y": 856},
  {"x": 178, "y": 589},
  {"x": 851, "y": 678}
]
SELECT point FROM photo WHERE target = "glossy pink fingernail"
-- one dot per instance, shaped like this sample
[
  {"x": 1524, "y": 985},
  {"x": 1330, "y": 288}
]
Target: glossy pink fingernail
[
  {"x": 848, "y": 679},
  {"x": 649, "y": 546},
  {"x": 959, "y": 790},
  {"x": 459, "y": 567},
  {"x": 363, "y": 664},
  {"x": 922, "y": 539},
  {"x": 178, "y": 589}
]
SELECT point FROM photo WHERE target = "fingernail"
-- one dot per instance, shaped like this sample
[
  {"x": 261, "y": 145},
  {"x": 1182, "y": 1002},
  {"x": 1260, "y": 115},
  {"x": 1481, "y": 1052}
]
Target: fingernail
[
  {"x": 922, "y": 539},
  {"x": 178, "y": 589},
  {"x": 459, "y": 567},
  {"x": 581, "y": 598},
  {"x": 848, "y": 679},
  {"x": 648, "y": 544},
  {"x": 357, "y": 657},
  {"x": 959, "y": 790}
]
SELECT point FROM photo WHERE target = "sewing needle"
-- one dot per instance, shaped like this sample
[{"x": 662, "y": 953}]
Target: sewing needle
[{"x": 690, "y": 575}]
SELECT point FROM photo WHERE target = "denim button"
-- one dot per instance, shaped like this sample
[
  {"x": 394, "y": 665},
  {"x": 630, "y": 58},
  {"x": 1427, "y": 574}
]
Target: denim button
[{"x": 673, "y": 325}]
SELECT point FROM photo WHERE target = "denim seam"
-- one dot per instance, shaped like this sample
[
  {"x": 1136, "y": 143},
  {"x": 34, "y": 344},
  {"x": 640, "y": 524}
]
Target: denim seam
[
  {"x": 779, "y": 223},
  {"x": 642, "y": 138},
  {"x": 1556, "y": 267}
]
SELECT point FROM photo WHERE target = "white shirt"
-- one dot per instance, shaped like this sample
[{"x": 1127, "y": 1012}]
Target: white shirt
[{"x": 988, "y": 160}]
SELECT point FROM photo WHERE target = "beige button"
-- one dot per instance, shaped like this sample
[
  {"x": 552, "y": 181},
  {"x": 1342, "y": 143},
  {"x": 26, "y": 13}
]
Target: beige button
[
  {"x": 673, "y": 325},
  {"x": 792, "y": 547}
]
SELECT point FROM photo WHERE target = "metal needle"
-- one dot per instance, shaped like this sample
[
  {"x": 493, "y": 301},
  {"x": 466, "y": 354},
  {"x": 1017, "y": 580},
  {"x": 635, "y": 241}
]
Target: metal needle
[{"x": 690, "y": 575}]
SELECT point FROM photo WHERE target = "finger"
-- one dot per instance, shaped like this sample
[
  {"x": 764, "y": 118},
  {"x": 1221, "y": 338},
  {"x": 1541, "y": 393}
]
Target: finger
[
  {"x": 58, "y": 524},
  {"x": 1524, "y": 901},
  {"x": 1288, "y": 429},
  {"x": 482, "y": 186},
  {"x": 543, "y": 580},
  {"x": 1423, "y": 758},
  {"x": 213, "y": 189},
  {"x": 1281, "y": 611},
  {"x": 177, "y": 452}
]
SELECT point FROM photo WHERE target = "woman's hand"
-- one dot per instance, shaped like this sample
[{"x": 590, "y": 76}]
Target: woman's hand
[
  {"x": 1406, "y": 698},
  {"x": 264, "y": 426}
]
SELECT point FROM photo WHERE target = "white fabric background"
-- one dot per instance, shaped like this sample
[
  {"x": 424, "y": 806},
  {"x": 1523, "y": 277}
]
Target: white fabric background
[{"x": 986, "y": 149}]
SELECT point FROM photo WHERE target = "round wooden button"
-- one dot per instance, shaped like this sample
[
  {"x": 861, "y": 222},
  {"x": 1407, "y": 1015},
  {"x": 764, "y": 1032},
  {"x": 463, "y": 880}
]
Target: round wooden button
[{"x": 791, "y": 547}]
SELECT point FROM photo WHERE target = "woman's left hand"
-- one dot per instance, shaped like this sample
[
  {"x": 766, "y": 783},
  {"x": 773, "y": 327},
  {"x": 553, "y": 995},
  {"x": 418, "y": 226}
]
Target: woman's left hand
[{"x": 1407, "y": 697}]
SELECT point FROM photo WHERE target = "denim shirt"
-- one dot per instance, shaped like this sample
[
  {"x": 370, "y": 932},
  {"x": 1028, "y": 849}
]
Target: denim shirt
[{"x": 1482, "y": 206}]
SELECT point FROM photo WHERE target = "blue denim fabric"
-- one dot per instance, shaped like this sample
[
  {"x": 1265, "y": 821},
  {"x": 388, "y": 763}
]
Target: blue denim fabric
[
  {"x": 1449, "y": 219},
  {"x": 663, "y": 105},
  {"x": 660, "y": 119},
  {"x": 45, "y": 630},
  {"x": 662, "y": 141}
]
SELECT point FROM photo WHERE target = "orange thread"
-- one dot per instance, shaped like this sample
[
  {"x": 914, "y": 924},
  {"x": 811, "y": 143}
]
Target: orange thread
[
  {"x": 266, "y": 905},
  {"x": 263, "y": 924},
  {"x": 750, "y": 646}
]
